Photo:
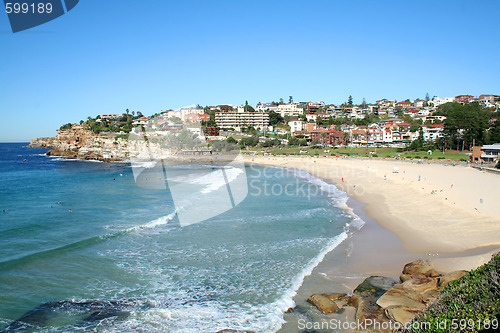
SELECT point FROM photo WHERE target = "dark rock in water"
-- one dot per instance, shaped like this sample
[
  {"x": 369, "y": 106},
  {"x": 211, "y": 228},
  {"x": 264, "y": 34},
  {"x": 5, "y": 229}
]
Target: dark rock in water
[
  {"x": 301, "y": 309},
  {"x": 99, "y": 315},
  {"x": 96, "y": 311},
  {"x": 375, "y": 285},
  {"x": 228, "y": 330}
]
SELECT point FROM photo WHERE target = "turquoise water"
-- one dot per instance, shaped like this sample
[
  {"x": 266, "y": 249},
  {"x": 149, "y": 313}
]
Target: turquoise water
[{"x": 120, "y": 261}]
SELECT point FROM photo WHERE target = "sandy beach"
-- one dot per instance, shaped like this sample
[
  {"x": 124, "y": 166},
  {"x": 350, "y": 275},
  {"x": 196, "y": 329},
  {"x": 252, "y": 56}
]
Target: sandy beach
[{"x": 448, "y": 214}]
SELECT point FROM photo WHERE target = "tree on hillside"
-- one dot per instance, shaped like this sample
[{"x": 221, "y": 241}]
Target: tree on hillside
[
  {"x": 349, "y": 101},
  {"x": 427, "y": 97},
  {"x": 290, "y": 99},
  {"x": 494, "y": 134},
  {"x": 363, "y": 104},
  {"x": 281, "y": 101},
  {"x": 465, "y": 124},
  {"x": 248, "y": 108},
  {"x": 275, "y": 118}
]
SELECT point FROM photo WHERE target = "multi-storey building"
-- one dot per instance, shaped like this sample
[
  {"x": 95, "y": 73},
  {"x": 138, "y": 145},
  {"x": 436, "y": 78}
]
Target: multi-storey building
[
  {"x": 237, "y": 120},
  {"x": 289, "y": 110}
]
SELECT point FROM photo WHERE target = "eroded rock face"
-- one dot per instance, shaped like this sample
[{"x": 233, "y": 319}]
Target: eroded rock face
[
  {"x": 449, "y": 277},
  {"x": 424, "y": 267},
  {"x": 80, "y": 142},
  {"x": 398, "y": 296},
  {"x": 400, "y": 314}
]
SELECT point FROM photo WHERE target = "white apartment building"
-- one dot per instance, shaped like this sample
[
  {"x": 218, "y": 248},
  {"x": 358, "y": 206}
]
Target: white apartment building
[
  {"x": 432, "y": 132},
  {"x": 295, "y": 125},
  {"x": 266, "y": 107},
  {"x": 184, "y": 112},
  {"x": 238, "y": 120},
  {"x": 441, "y": 100},
  {"x": 109, "y": 116},
  {"x": 289, "y": 110}
]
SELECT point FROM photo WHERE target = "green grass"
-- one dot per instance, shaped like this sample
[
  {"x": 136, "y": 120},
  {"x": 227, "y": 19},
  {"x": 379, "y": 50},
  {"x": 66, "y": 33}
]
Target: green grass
[
  {"x": 469, "y": 304},
  {"x": 383, "y": 152}
]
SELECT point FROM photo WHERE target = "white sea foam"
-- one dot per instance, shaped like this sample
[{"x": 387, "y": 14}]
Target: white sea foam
[
  {"x": 58, "y": 158},
  {"x": 338, "y": 197},
  {"x": 153, "y": 224},
  {"x": 211, "y": 181},
  {"x": 276, "y": 309},
  {"x": 143, "y": 164}
]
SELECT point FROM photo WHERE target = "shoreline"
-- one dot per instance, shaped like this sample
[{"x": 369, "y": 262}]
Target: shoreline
[
  {"x": 387, "y": 240},
  {"x": 400, "y": 202}
]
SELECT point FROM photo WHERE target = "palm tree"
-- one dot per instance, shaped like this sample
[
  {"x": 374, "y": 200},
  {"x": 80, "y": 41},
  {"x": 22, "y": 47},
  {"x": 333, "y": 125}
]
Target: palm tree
[{"x": 346, "y": 137}]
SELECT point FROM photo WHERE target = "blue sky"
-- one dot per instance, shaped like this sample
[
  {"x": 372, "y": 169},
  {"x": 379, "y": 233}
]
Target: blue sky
[{"x": 148, "y": 55}]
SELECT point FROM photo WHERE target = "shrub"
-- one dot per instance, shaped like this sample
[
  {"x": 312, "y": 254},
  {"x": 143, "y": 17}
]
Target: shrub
[{"x": 65, "y": 126}]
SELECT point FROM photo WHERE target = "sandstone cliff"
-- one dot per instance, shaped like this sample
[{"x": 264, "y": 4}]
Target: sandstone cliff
[{"x": 80, "y": 142}]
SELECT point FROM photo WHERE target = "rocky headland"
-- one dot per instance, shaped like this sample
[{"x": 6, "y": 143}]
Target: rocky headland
[{"x": 80, "y": 142}]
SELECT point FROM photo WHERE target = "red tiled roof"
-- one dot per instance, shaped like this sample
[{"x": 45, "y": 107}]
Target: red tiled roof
[{"x": 331, "y": 131}]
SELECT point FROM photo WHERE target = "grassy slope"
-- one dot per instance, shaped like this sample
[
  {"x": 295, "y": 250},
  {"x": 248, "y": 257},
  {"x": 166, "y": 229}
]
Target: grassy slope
[
  {"x": 363, "y": 152},
  {"x": 466, "y": 305}
]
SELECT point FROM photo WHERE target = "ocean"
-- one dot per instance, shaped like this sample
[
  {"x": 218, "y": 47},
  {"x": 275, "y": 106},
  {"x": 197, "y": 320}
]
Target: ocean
[{"x": 84, "y": 248}]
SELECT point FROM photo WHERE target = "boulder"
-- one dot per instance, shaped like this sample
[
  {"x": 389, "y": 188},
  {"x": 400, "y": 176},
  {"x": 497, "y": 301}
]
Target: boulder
[
  {"x": 433, "y": 273},
  {"x": 447, "y": 278},
  {"x": 398, "y": 296},
  {"x": 335, "y": 297},
  {"x": 367, "y": 309},
  {"x": 419, "y": 266},
  {"x": 323, "y": 303},
  {"x": 375, "y": 285},
  {"x": 430, "y": 296},
  {"x": 400, "y": 314},
  {"x": 339, "y": 299},
  {"x": 404, "y": 277},
  {"x": 420, "y": 284}
]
